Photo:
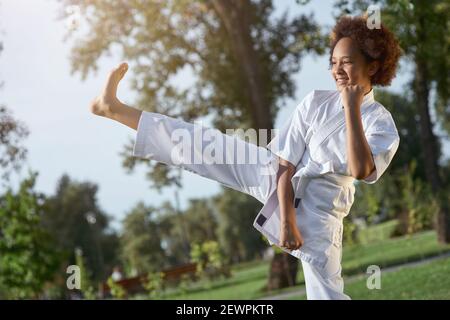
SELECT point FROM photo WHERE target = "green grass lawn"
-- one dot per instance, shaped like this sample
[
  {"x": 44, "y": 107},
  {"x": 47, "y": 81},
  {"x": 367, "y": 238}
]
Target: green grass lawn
[
  {"x": 424, "y": 282},
  {"x": 246, "y": 283},
  {"x": 390, "y": 252},
  {"x": 428, "y": 281},
  {"x": 249, "y": 279},
  {"x": 377, "y": 232}
]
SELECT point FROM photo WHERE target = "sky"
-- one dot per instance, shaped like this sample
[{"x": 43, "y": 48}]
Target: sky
[{"x": 66, "y": 138}]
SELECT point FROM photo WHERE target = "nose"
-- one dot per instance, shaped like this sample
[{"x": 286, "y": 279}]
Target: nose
[{"x": 338, "y": 67}]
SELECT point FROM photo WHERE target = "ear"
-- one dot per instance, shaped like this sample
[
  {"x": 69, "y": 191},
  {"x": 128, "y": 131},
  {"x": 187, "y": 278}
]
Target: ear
[{"x": 373, "y": 67}]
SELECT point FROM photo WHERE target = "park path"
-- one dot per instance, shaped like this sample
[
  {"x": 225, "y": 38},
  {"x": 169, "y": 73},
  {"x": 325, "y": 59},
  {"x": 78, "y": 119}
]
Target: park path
[{"x": 302, "y": 291}]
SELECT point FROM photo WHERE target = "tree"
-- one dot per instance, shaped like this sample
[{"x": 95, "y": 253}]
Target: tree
[
  {"x": 422, "y": 28},
  {"x": 237, "y": 213},
  {"x": 141, "y": 240},
  {"x": 410, "y": 154},
  {"x": 375, "y": 202},
  {"x": 174, "y": 234},
  {"x": 12, "y": 131},
  {"x": 201, "y": 221},
  {"x": 28, "y": 258},
  {"x": 74, "y": 219},
  {"x": 209, "y": 259},
  {"x": 242, "y": 60},
  {"x": 402, "y": 107},
  {"x": 179, "y": 230},
  {"x": 87, "y": 288},
  {"x": 12, "y": 153}
]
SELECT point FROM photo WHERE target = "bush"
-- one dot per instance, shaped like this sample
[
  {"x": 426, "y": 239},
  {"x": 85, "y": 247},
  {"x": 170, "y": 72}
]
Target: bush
[
  {"x": 398, "y": 195},
  {"x": 154, "y": 285},
  {"x": 350, "y": 232},
  {"x": 419, "y": 205},
  {"x": 116, "y": 290},
  {"x": 28, "y": 259},
  {"x": 209, "y": 259}
]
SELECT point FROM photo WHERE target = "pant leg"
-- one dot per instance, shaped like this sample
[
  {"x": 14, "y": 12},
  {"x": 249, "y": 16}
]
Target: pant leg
[
  {"x": 325, "y": 283},
  {"x": 176, "y": 142}
]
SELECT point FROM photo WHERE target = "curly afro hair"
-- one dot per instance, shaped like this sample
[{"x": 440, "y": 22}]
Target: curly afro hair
[{"x": 376, "y": 45}]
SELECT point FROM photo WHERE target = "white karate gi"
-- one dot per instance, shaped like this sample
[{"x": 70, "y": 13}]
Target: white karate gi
[{"x": 322, "y": 181}]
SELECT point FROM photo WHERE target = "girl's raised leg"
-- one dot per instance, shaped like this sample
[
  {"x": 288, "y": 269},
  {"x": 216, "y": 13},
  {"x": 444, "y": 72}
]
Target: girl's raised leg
[{"x": 158, "y": 137}]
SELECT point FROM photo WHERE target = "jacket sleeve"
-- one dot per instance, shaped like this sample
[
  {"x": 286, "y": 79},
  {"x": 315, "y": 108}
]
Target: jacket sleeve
[
  {"x": 289, "y": 142},
  {"x": 383, "y": 139}
]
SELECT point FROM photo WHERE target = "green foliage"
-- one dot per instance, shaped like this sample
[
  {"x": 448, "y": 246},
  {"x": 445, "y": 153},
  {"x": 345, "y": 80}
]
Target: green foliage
[
  {"x": 239, "y": 240},
  {"x": 422, "y": 29},
  {"x": 87, "y": 288},
  {"x": 198, "y": 223},
  {"x": 155, "y": 238},
  {"x": 420, "y": 206},
  {"x": 349, "y": 233},
  {"x": 12, "y": 153},
  {"x": 161, "y": 39},
  {"x": 201, "y": 221},
  {"x": 396, "y": 195},
  {"x": 141, "y": 240},
  {"x": 401, "y": 192},
  {"x": 277, "y": 249},
  {"x": 74, "y": 219},
  {"x": 153, "y": 284},
  {"x": 376, "y": 202},
  {"x": 117, "y": 291},
  {"x": 209, "y": 259},
  {"x": 249, "y": 278},
  {"x": 403, "y": 108},
  {"x": 28, "y": 258},
  {"x": 371, "y": 201},
  {"x": 379, "y": 232},
  {"x": 184, "y": 284}
]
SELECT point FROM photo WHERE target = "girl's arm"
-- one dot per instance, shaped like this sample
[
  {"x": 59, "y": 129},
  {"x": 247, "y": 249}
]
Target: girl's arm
[
  {"x": 290, "y": 236},
  {"x": 360, "y": 160}
]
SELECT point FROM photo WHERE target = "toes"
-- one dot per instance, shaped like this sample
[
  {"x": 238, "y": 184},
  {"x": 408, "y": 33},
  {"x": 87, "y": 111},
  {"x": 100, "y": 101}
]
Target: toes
[
  {"x": 119, "y": 70},
  {"x": 123, "y": 67}
]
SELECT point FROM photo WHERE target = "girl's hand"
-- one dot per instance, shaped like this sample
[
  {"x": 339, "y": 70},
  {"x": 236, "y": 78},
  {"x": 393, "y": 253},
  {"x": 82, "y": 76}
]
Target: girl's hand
[
  {"x": 352, "y": 96},
  {"x": 290, "y": 236}
]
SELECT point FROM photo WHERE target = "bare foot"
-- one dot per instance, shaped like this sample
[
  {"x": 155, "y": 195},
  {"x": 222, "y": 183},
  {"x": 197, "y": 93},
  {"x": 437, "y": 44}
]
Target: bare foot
[{"x": 106, "y": 104}]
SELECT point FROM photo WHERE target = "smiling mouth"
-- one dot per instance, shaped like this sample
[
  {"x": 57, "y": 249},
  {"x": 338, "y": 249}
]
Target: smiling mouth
[{"x": 341, "y": 80}]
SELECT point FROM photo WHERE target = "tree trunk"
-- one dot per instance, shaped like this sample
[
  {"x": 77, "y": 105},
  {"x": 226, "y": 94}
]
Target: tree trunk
[
  {"x": 283, "y": 271},
  {"x": 235, "y": 14},
  {"x": 428, "y": 138}
]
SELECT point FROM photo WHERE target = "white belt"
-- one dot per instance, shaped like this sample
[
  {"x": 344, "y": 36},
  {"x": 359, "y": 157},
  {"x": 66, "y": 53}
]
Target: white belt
[{"x": 313, "y": 170}]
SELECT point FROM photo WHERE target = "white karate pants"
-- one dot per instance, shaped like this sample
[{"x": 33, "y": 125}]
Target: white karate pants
[{"x": 158, "y": 137}]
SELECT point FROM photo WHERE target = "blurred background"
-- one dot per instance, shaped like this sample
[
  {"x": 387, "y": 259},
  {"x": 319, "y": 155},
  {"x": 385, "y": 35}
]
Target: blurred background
[{"x": 71, "y": 194}]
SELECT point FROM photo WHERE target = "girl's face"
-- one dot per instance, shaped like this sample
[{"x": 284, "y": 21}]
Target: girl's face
[{"x": 349, "y": 66}]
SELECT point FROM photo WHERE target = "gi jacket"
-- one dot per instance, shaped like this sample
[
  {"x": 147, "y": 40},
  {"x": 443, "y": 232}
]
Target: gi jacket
[{"x": 314, "y": 140}]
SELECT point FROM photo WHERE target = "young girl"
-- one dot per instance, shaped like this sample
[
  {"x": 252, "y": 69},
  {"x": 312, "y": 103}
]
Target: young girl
[{"x": 312, "y": 190}]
